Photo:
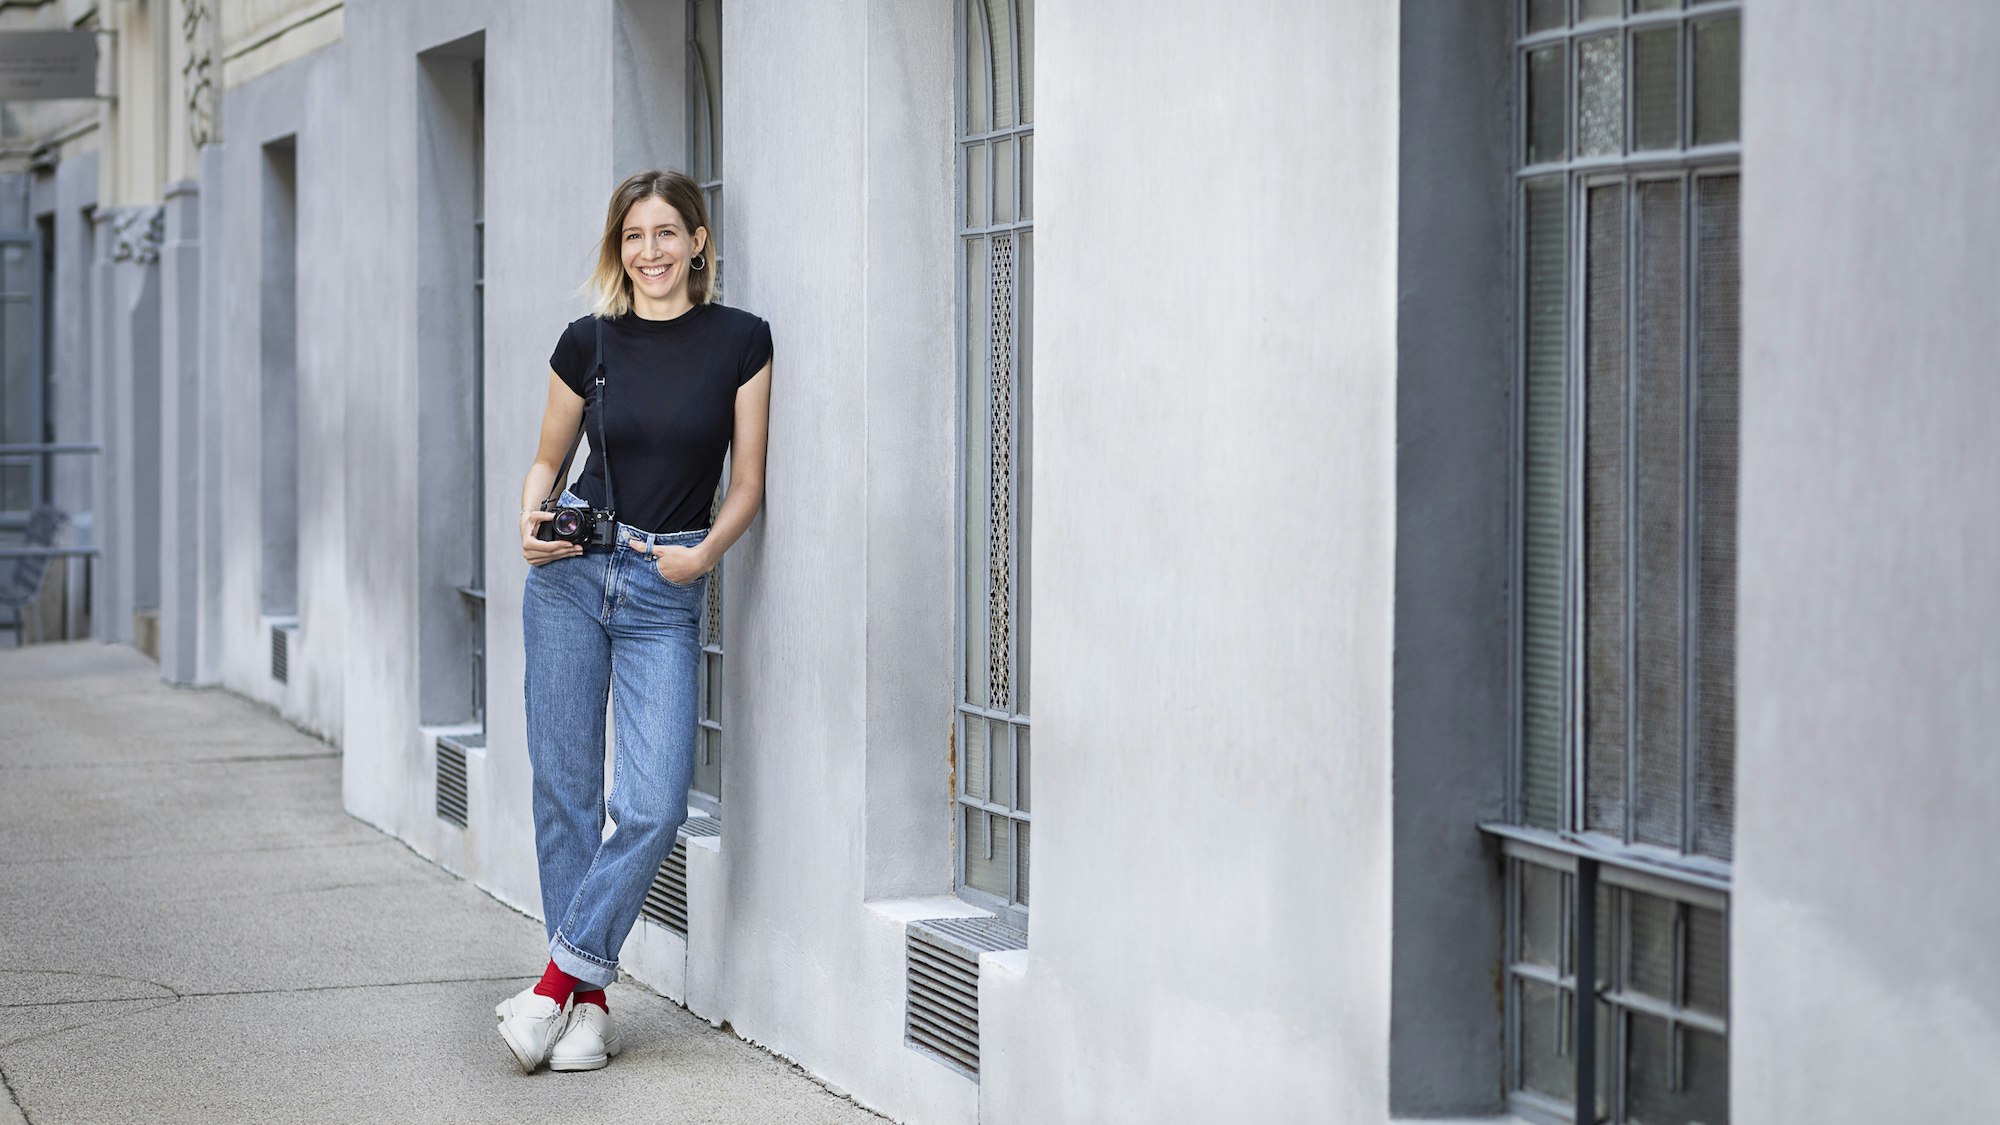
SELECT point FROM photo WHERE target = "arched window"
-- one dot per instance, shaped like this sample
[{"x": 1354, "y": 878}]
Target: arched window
[
  {"x": 996, "y": 147},
  {"x": 704, "y": 99}
]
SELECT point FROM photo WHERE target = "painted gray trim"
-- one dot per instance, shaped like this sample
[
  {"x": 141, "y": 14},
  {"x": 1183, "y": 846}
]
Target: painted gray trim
[{"x": 1457, "y": 590}]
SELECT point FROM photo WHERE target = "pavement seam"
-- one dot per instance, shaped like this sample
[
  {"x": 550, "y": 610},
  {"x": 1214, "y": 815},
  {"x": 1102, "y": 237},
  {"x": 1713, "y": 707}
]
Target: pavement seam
[
  {"x": 11, "y": 1110},
  {"x": 45, "y": 862},
  {"x": 175, "y": 994},
  {"x": 316, "y": 757},
  {"x": 346, "y": 987}
]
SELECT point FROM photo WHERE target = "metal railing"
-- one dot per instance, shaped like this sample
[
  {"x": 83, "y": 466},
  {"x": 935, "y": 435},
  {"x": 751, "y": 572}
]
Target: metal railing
[{"x": 77, "y": 596}]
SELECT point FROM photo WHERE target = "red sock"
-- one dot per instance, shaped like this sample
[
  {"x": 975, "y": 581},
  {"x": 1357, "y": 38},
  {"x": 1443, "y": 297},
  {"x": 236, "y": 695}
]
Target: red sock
[
  {"x": 556, "y": 984},
  {"x": 594, "y": 996}
]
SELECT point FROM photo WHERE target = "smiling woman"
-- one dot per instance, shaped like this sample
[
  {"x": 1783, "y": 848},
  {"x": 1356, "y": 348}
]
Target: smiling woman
[
  {"x": 655, "y": 246},
  {"x": 667, "y": 383}
]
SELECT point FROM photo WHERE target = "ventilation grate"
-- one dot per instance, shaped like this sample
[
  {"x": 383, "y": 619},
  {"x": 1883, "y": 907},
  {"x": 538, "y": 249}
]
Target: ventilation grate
[
  {"x": 451, "y": 787},
  {"x": 666, "y": 900},
  {"x": 281, "y": 654},
  {"x": 941, "y": 1012},
  {"x": 1000, "y": 472}
]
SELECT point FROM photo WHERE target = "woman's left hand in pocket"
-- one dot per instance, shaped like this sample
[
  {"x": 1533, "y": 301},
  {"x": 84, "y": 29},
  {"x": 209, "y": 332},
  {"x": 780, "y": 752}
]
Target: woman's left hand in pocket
[{"x": 679, "y": 565}]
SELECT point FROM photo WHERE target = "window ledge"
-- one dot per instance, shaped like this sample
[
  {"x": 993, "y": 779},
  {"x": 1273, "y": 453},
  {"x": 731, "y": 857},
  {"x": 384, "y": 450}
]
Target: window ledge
[
  {"x": 469, "y": 737},
  {"x": 1697, "y": 879}
]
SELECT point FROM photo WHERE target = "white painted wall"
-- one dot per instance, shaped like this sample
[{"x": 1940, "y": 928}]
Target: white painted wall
[
  {"x": 839, "y": 628},
  {"x": 1865, "y": 983},
  {"x": 1214, "y": 479},
  {"x": 299, "y": 101},
  {"x": 548, "y": 168}
]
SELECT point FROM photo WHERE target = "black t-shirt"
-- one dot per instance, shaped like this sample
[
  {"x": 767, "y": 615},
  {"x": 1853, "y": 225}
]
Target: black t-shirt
[{"x": 672, "y": 389}]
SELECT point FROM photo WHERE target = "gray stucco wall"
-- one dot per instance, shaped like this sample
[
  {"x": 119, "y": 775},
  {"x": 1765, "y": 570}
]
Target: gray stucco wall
[
  {"x": 1215, "y": 487},
  {"x": 548, "y": 161},
  {"x": 1865, "y": 983},
  {"x": 839, "y": 682},
  {"x": 300, "y": 102}
]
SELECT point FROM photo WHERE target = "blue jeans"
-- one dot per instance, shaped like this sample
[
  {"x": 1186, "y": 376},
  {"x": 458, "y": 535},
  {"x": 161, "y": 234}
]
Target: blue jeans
[{"x": 595, "y": 625}]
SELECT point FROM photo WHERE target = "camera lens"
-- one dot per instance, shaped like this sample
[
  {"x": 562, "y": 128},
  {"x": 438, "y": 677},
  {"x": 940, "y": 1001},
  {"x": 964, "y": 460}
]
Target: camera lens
[{"x": 568, "y": 522}]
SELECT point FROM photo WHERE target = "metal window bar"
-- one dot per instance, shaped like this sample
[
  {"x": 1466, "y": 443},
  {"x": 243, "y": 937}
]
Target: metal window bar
[
  {"x": 704, "y": 43},
  {"x": 79, "y": 602},
  {"x": 1684, "y": 1000},
  {"x": 1000, "y": 721},
  {"x": 474, "y": 591},
  {"x": 23, "y": 264},
  {"x": 704, "y": 164},
  {"x": 1688, "y": 168},
  {"x": 1675, "y": 873}
]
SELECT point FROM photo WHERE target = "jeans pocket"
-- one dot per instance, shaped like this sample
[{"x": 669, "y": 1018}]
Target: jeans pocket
[
  {"x": 654, "y": 566},
  {"x": 680, "y": 585}
]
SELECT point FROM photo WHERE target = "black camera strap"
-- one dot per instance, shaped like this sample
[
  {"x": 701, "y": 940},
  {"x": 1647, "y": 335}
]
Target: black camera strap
[{"x": 603, "y": 447}]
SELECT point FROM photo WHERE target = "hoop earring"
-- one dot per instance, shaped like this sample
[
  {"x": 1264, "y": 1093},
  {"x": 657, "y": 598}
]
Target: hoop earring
[{"x": 699, "y": 264}]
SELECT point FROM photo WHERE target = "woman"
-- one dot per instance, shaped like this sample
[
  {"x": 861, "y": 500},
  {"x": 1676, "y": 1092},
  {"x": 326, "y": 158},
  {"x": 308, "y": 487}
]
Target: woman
[{"x": 679, "y": 382}]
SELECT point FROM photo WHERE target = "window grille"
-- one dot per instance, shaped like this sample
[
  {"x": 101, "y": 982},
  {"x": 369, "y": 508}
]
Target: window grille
[
  {"x": 667, "y": 897},
  {"x": 705, "y": 167},
  {"x": 941, "y": 985},
  {"x": 452, "y": 788},
  {"x": 281, "y": 654},
  {"x": 473, "y": 592},
  {"x": 705, "y": 118},
  {"x": 1623, "y": 795},
  {"x": 995, "y": 160},
  {"x": 25, "y": 417}
]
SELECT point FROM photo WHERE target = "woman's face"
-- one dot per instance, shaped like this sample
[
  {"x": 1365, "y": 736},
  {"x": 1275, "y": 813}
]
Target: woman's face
[{"x": 656, "y": 246}]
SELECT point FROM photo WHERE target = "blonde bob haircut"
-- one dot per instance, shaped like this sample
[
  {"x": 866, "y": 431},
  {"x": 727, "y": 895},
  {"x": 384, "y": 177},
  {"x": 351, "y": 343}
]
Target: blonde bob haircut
[{"x": 609, "y": 288}]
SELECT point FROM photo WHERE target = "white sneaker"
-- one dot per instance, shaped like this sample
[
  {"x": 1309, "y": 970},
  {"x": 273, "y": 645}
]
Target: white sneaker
[
  {"x": 588, "y": 1042},
  {"x": 506, "y": 1007},
  {"x": 531, "y": 1027}
]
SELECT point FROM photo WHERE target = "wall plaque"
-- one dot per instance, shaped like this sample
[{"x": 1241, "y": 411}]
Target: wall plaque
[{"x": 36, "y": 65}]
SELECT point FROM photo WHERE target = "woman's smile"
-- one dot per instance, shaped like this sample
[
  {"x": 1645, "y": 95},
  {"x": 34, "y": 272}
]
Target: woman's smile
[{"x": 656, "y": 248}]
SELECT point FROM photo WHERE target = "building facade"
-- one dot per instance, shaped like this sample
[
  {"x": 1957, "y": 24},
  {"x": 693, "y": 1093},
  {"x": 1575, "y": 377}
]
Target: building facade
[{"x": 1462, "y": 501}]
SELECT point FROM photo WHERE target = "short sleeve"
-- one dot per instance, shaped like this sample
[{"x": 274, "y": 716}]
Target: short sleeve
[
  {"x": 756, "y": 351},
  {"x": 571, "y": 359}
]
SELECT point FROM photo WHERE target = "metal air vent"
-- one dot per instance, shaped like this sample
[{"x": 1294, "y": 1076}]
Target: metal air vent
[
  {"x": 666, "y": 900},
  {"x": 451, "y": 784},
  {"x": 281, "y": 654},
  {"x": 941, "y": 1011}
]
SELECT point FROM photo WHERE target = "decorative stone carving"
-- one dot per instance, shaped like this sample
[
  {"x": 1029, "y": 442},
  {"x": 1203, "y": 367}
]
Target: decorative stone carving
[
  {"x": 198, "y": 73},
  {"x": 136, "y": 234}
]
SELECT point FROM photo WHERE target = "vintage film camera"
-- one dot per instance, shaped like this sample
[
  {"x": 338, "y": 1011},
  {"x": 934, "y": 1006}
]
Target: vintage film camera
[{"x": 586, "y": 527}]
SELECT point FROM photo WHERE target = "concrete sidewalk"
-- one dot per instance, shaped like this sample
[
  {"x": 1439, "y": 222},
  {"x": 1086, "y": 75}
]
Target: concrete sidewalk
[{"x": 192, "y": 930}]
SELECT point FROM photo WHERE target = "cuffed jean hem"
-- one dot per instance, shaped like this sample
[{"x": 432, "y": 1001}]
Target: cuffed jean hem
[{"x": 581, "y": 965}]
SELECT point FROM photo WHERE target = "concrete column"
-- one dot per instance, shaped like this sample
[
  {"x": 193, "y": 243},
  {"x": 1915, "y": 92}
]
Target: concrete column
[
  {"x": 128, "y": 377},
  {"x": 110, "y": 614},
  {"x": 208, "y": 316},
  {"x": 71, "y": 385},
  {"x": 182, "y": 495},
  {"x": 909, "y": 681}
]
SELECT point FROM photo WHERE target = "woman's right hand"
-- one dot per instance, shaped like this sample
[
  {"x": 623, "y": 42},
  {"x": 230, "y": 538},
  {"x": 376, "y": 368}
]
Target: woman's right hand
[{"x": 542, "y": 551}]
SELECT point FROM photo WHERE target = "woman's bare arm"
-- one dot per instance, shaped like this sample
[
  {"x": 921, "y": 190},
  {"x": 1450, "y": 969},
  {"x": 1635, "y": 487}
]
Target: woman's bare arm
[{"x": 560, "y": 420}]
